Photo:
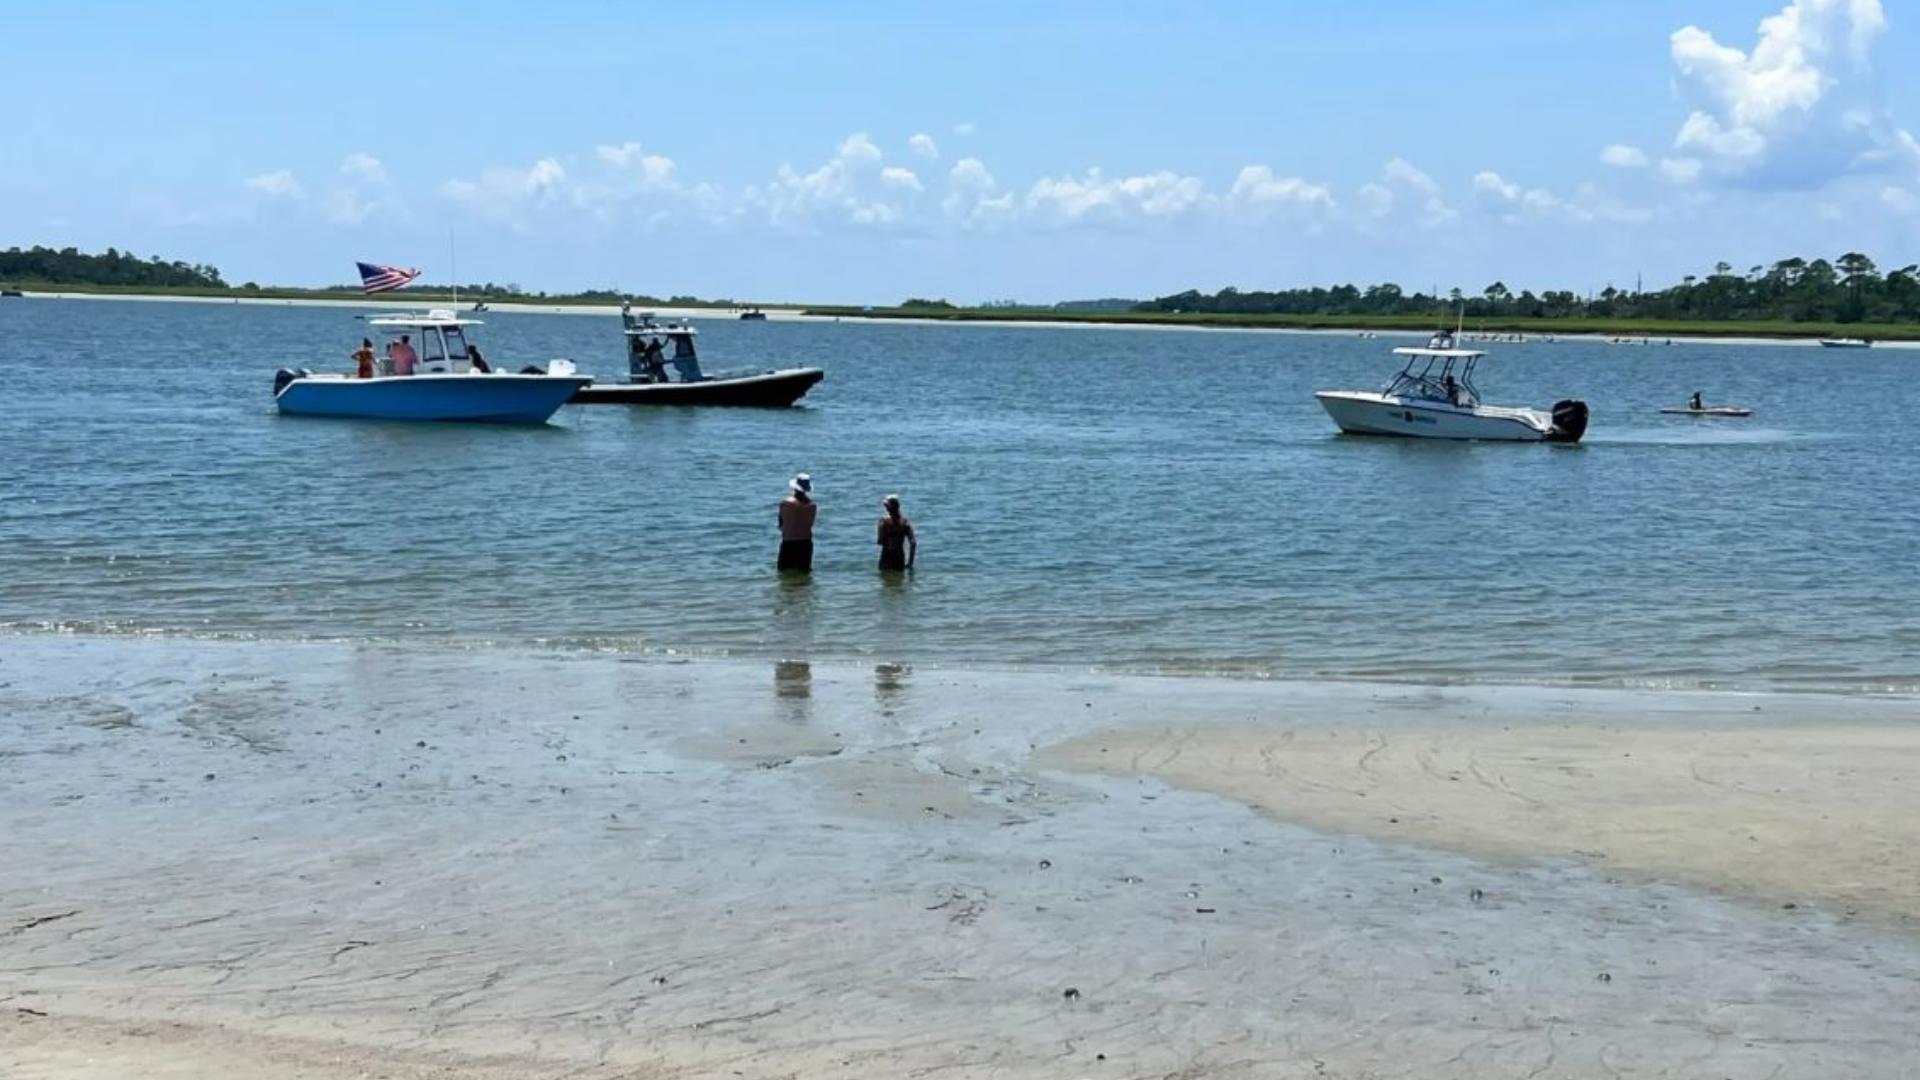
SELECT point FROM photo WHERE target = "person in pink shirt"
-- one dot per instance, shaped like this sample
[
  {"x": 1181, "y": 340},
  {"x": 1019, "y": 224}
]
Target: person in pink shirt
[{"x": 402, "y": 354}]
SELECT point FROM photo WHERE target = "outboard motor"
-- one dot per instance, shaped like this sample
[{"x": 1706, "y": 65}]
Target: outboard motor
[
  {"x": 1569, "y": 421},
  {"x": 285, "y": 377}
]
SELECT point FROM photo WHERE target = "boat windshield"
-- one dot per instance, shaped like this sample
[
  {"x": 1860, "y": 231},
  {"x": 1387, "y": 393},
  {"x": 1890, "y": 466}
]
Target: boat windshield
[{"x": 1432, "y": 375}]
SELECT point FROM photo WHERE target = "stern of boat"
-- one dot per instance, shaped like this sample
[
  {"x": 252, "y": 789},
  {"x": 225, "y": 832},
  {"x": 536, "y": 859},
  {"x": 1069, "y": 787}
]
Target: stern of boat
[{"x": 1569, "y": 421}]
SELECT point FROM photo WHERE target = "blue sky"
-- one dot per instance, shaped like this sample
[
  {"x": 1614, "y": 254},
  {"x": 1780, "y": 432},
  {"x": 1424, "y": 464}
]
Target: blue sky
[{"x": 865, "y": 152}]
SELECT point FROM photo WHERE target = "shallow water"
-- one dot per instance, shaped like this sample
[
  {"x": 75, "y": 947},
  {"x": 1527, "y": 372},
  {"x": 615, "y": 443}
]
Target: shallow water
[{"x": 1152, "y": 501}]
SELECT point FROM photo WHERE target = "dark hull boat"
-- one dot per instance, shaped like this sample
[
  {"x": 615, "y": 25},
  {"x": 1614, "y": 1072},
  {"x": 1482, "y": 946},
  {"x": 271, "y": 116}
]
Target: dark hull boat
[
  {"x": 768, "y": 390},
  {"x": 654, "y": 378}
]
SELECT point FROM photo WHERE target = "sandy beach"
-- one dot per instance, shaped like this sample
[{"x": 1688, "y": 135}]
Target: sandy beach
[
  {"x": 322, "y": 861},
  {"x": 799, "y": 314}
]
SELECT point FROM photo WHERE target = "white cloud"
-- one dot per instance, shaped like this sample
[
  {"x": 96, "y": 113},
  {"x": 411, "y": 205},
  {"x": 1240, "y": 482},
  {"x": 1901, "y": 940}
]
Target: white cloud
[
  {"x": 1515, "y": 203},
  {"x": 1680, "y": 170},
  {"x": 973, "y": 197},
  {"x": 1801, "y": 109},
  {"x": 1260, "y": 194},
  {"x": 1624, "y": 157},
  {"x": 280, "y": 183},
  {"x": 848, "y": 188},
  {"x": 894, "y": 176},
  {"x": 504, "y": 190},
  {"x": 1402, "y": 184},
  {"x": 1493, "y": 185},
  {"x": 651, "y": 170},
  {"x": 1153, "y": 196},
  {"x": 923, "y": 144},
  {"x": 364, "y": 166},
  {"x": 859, "y": 150},
  {"x": 964, "y": 127}
]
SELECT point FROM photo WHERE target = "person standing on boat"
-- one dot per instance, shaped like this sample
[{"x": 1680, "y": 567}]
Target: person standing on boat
[
  {"x": 402, "y": 354},
  {"x": 898, "y": 546},
  {"x": 796, "y": 516},
  {"x": 363, "y": 359},
  {"x": 1695, "y": 403}
]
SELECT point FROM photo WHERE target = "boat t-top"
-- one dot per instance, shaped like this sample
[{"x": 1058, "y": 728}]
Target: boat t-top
[
  {"x": 656, "y": 376},
  {"x": 1433, "y": 397},
  {"x": 429, "y": 371}
]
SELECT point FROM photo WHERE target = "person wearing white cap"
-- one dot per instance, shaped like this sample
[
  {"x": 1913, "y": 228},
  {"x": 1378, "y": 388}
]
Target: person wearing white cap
[
  {"x": 797, "y": 512},
  {"x": 898, "y": 546}
]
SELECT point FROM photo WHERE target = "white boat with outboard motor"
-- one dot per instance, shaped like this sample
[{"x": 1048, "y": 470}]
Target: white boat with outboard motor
[
  {"x": 1845, "y": 343},
  {"x": 650, "y": 383},
  {"x": 442, "y": 378},
  {"x": 1433, "y": 397}
]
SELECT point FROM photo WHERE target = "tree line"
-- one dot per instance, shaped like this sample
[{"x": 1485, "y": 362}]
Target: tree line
[
  {"x": 1848, "y": 289},
  {"x": 68, "y": 266}
]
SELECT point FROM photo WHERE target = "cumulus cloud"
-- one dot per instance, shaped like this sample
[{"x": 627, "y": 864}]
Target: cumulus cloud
[
  {"x": 1402, "y": 185},
  {"x": 1257, "y": 192},
  {"x": 279, "y": 183},
  {"x": 1802, "y": 108},
  {"x": 1496, "y": 187},
  {"x": 1624, "y": 157},
  {"x": 1680, "y": 170},
  {"x": 923, "y": 144},
  {"x": 859, "y": 149},
  {"x": 1516, "y": 203},
  {"x": 364, "y": 166},
  {"x": 973, "y": 196},
  {"x": 503, "y": 190},
  {"x": 1098, "y": 198},
  {"x": 650, "y": 170},
  {"x": 849, "y": 187},
  {"x": 894, "y": 176}
]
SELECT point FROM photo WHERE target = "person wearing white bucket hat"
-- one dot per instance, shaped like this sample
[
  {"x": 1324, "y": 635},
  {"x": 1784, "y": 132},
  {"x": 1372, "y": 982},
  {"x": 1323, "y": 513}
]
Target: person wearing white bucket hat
[{"x": 796, "y": 516}]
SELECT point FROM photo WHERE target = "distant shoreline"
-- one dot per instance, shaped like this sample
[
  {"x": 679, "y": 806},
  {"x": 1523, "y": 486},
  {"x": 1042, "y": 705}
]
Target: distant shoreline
[
  {"x": 1623, "y": 331},
  {"x": 1635, "y": 329}
]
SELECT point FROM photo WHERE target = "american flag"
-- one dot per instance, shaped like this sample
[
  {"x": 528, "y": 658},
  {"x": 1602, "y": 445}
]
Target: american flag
[{"x": 384, "y": 278}]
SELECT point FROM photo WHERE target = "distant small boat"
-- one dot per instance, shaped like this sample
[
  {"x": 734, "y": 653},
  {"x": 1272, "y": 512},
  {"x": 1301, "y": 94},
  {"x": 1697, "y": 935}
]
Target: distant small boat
[
  {"x": 1845, "y": 343},
  {"x": 649, "y": 383},
  {"x": 753, "y": 315},
  {"x": 443, "y": 385},
  {"x": 11, "y": 292},
  {"x": 1729, "y": 411}
]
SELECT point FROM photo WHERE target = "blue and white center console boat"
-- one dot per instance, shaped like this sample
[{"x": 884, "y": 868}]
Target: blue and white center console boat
[{"x": 430, "y": 372}]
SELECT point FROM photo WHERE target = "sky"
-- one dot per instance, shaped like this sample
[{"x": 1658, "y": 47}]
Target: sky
[{"x": 864, "y": 153}]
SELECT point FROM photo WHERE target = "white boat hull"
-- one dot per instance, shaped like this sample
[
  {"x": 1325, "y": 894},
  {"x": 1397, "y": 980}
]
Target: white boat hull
[{"x": 1359, "y": 412}]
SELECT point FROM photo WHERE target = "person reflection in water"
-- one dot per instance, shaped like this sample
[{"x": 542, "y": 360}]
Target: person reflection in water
[{"x": 796, "y": 517}]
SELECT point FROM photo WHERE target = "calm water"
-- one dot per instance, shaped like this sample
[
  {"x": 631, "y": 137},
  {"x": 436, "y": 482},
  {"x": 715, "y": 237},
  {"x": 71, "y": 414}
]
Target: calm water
[{"x": 1143, "y": 500}]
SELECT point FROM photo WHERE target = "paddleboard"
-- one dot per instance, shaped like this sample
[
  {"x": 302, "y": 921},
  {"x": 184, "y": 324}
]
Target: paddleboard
[{"x": 1717, "y": 410}]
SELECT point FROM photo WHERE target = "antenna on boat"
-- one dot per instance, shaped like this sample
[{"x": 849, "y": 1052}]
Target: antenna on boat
[{"x": 453, "y": 261}]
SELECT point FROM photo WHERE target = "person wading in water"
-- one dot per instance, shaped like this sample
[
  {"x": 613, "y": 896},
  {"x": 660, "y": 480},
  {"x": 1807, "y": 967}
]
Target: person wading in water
[
  {"x": 797, "y": 512},
  {"x": 898, "y": 546}
]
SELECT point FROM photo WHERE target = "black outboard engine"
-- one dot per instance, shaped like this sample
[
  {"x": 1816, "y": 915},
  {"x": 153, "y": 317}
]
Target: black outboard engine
[
  {"x": 285, "y": 376},
  {"x": 1569, "y": 421}
]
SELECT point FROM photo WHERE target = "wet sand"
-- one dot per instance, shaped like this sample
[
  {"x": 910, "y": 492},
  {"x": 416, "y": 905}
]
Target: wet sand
[
  {"x": 324, "y": 861},
  {"x": 1793, "y": 813}
]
